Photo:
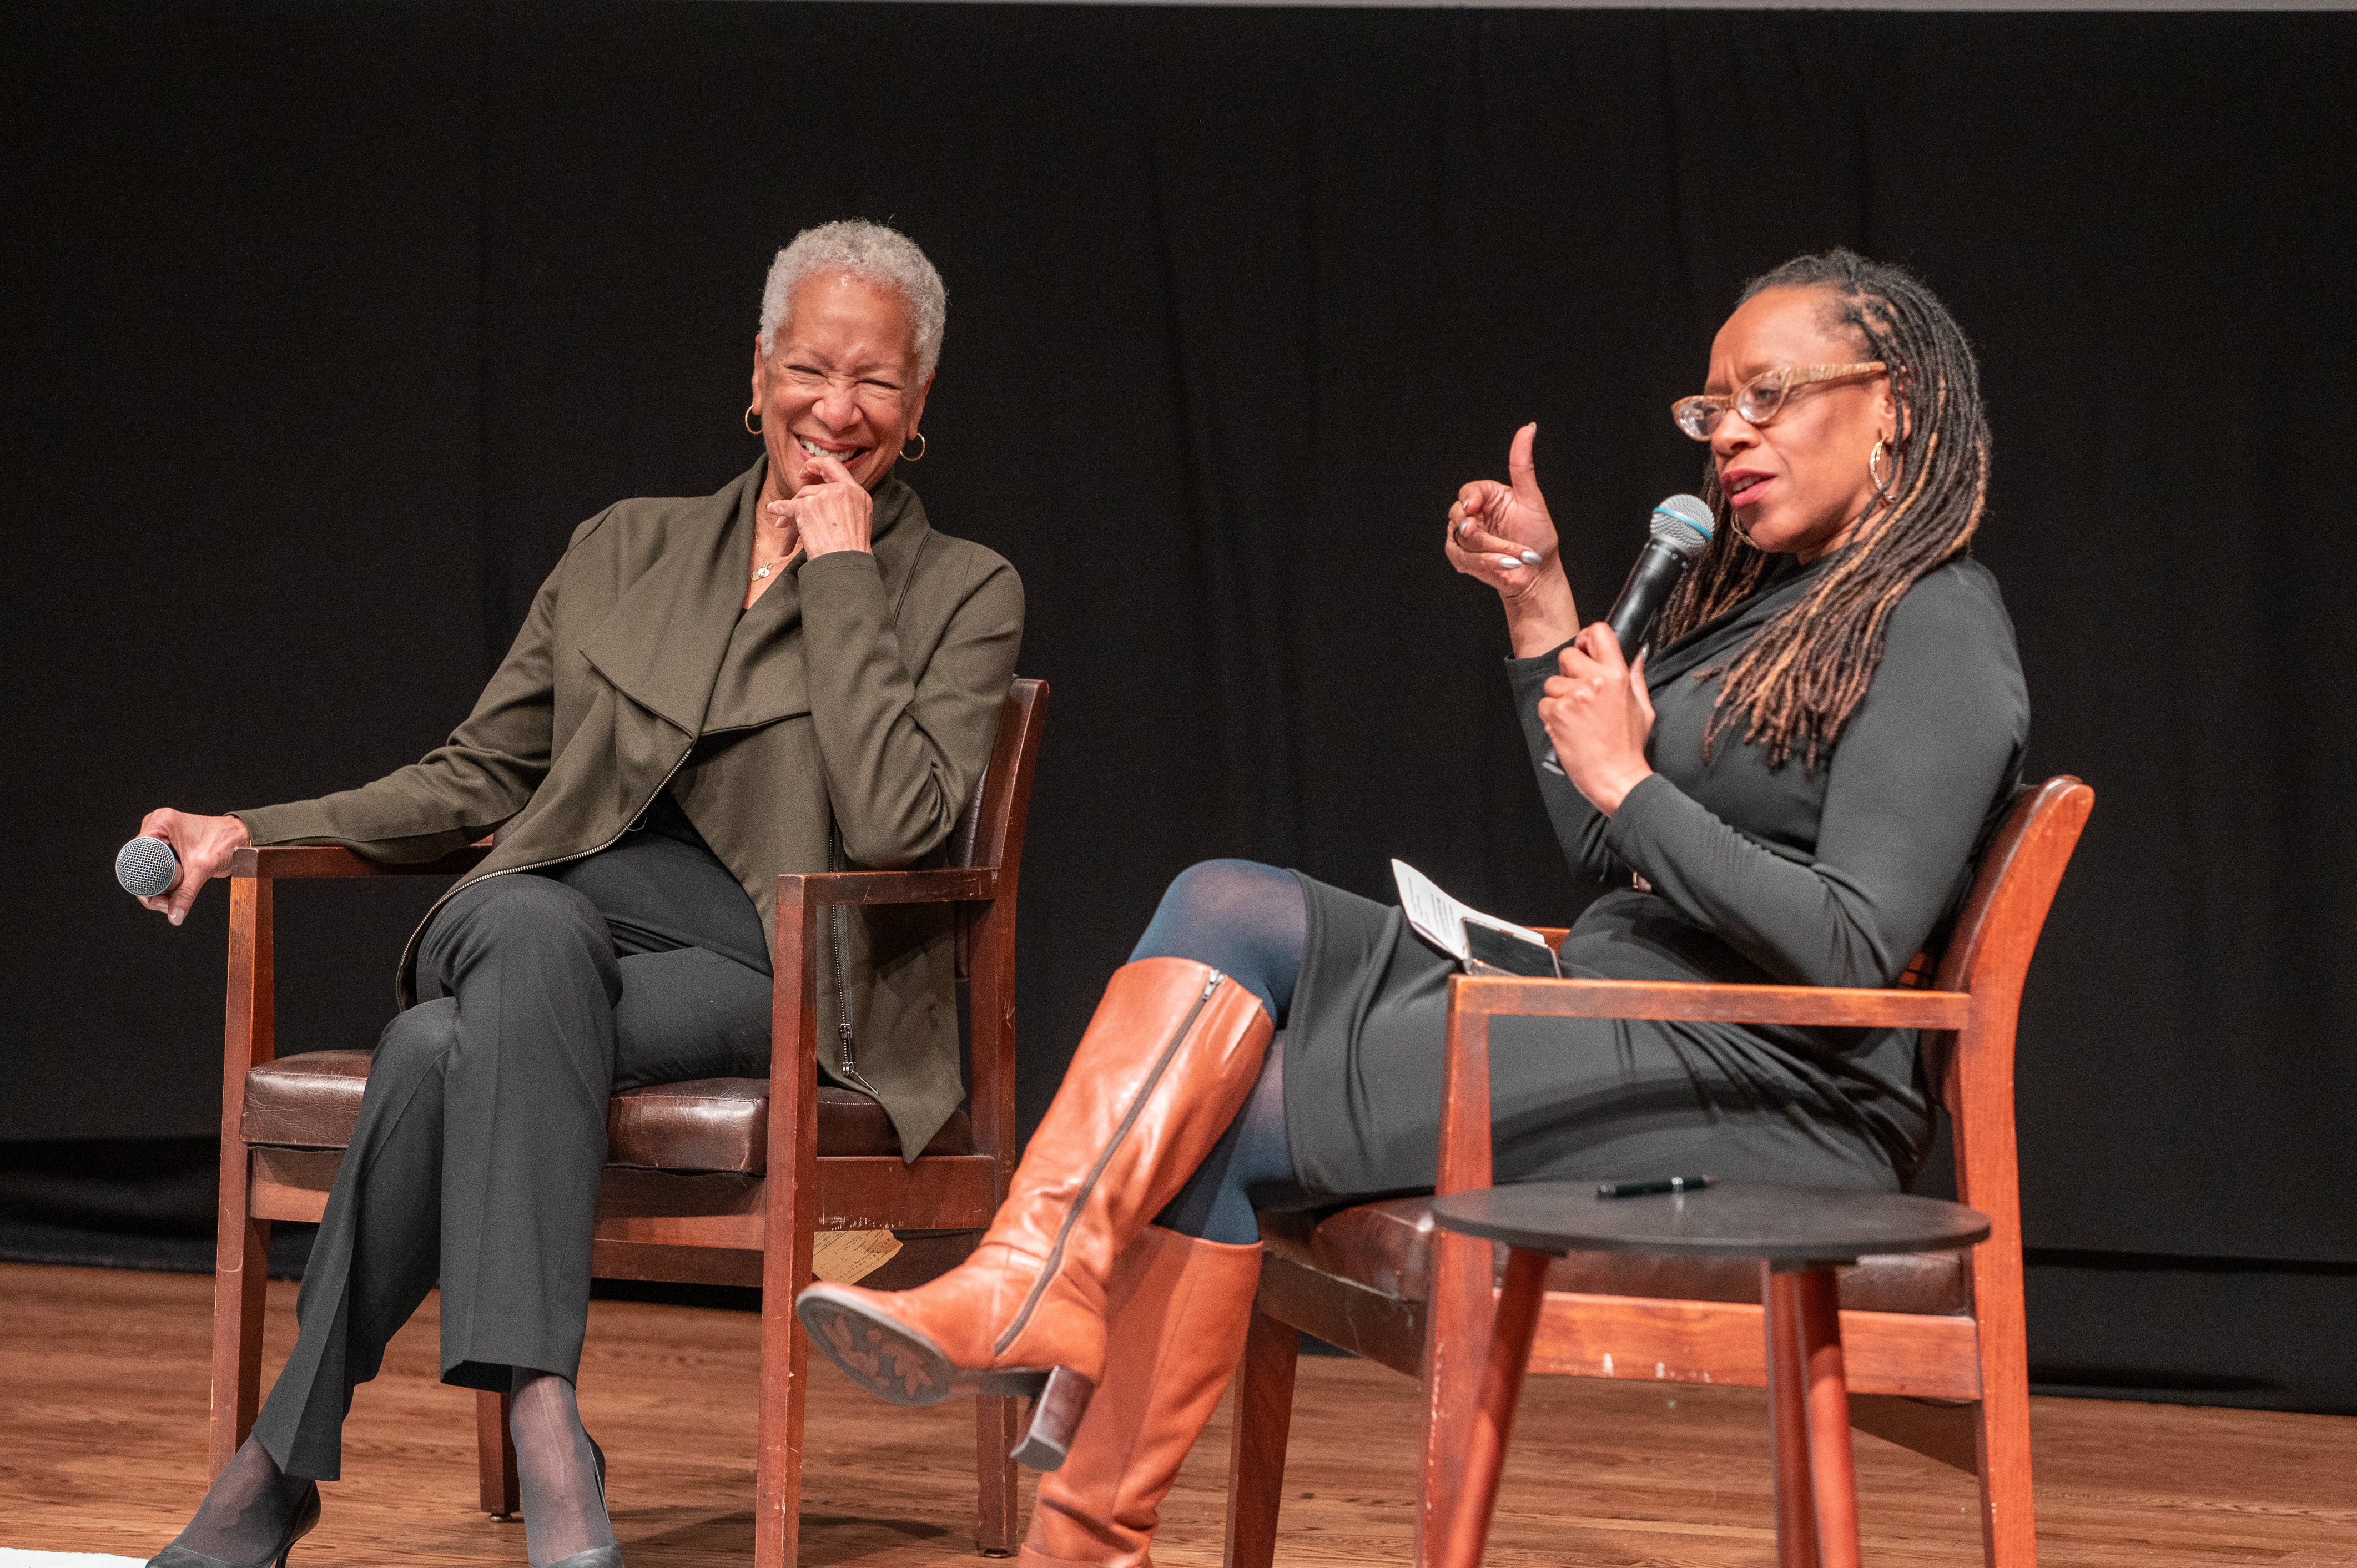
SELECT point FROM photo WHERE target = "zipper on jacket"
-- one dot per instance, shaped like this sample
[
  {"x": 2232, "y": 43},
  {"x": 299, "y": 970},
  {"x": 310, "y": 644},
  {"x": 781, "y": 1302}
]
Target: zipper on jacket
[
  {"x": 409, "y": 950},
  {"x": 839, "y": 922}
]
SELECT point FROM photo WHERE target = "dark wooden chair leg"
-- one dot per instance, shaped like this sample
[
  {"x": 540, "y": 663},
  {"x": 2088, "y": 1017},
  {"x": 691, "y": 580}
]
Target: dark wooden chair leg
[
  {"x": 994, "y": 1435},
  {"x": 241, "y": 1242},
  {"x": 1493, "y": 1421},
  {"x": 1788, "y": 1423},
  {"x": 1264, "y": 1422},
  {"x": 500, "y": 1493},
  {"x": 785, "y": 1381},
  {"x": 1831, "y": 1470},
  {"x": 240, "y": 1271}
]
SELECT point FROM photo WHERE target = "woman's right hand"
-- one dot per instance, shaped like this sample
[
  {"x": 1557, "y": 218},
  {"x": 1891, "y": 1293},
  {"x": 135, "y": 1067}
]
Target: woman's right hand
[
  {"x": 1503, "y": 535},
  {"x": 204, "y": 845}
]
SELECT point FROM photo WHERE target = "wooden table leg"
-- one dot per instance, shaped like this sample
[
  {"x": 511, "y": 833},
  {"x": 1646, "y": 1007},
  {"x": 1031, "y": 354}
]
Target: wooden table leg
[
  {"x": 1519, "y": 1300},
  {"x": 1788, "y": 1420},
  {"x": 1830, "y": 1462}
]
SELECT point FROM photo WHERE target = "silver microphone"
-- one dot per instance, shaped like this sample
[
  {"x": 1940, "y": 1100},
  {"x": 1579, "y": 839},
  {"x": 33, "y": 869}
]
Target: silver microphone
[
  {"x": 1680, "y": 530},
  {"x": 146, "y": 867}
]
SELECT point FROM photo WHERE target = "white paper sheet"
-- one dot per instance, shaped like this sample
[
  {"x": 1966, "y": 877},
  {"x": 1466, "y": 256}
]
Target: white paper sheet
[{"x": 1440, "y": 920}]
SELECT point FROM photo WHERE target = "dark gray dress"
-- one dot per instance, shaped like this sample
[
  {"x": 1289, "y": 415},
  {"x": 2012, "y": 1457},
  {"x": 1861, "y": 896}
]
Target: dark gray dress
[{"x": 1759, "y": 876}]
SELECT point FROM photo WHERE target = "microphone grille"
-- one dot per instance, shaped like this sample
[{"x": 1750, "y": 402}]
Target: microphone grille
[
  {"x": 1683, "y": 523},
  {"x": 146, "y": 867}
]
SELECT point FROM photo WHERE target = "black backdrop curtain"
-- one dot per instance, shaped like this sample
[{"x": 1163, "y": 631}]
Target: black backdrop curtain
[{"x": 327, "y": 323}]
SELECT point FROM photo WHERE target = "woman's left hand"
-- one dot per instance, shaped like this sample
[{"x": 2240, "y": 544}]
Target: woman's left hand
[
  {"x": 1598, "y": 714},
  {"x": 831, "y": 511}
]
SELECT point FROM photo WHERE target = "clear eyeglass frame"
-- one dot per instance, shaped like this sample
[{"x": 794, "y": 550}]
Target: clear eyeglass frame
[{"x": 1760, "y": 399}]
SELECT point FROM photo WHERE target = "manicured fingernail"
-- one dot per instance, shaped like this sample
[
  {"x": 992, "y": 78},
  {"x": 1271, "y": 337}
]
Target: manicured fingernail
[
  {"x": 1508, "y": 561},
  {"x": 1465, "y": 527},
  {"x": 1530, "y": 557}
]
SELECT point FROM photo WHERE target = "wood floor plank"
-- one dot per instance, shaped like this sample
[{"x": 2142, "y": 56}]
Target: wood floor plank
[{"x": 102, "y": 1449}]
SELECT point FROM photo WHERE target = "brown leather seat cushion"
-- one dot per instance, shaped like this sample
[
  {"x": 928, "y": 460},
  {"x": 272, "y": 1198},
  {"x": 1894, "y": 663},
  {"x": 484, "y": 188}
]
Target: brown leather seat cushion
[
  {"x": 1387, "y": 1246},
  {"x": 313, "y": 1101}
]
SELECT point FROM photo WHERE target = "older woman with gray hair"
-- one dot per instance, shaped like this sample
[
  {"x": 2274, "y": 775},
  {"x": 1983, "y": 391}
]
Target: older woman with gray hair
[{"x": 795, "y": 673}]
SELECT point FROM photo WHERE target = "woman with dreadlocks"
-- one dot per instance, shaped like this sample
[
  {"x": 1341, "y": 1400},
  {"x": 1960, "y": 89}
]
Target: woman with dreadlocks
[{"x": 1790, "y": 789}]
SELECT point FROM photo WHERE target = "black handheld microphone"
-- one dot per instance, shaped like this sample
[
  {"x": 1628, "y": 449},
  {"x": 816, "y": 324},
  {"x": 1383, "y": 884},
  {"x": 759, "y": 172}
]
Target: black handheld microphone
[
  {"x": 146, "y": 867},
  {"x": 1682, "y": 529}
]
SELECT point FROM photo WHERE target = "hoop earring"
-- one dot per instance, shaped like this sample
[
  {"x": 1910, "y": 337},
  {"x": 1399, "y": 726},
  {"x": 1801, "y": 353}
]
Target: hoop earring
[
  {"x": 751, "y": 428},
  {"x": 920, "y": 449},
  {"x": 1874, "y": 470}
]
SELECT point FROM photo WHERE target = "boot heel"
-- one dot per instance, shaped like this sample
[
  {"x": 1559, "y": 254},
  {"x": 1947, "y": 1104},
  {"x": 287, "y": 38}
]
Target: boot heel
[{"x": 1055, "y": 1418}]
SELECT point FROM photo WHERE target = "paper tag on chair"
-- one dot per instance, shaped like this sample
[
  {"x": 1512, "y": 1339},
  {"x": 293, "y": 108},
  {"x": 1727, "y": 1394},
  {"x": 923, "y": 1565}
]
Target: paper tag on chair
[{"x": 846, "y": 1257}]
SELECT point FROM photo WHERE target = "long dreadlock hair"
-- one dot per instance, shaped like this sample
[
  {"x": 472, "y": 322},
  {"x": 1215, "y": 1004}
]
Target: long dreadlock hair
[{"x": 1797, "y": 682}]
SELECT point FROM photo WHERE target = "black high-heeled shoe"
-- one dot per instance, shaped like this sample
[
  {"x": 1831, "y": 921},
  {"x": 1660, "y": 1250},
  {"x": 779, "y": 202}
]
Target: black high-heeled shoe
[
  {"x": 596, "y": 1556},
  {"x": 306, "y": 1517}
]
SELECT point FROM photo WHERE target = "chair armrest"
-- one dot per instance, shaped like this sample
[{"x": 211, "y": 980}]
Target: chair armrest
[
  {"x": 1464, "y": 1153},
  {"x": 1835, "y": 1005},
  {"x": 286, "y": 861},
  {"x": 938, "y": 887}
]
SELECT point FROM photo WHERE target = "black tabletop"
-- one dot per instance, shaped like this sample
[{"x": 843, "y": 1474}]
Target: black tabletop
[{"x": 1819, "y": 1224}]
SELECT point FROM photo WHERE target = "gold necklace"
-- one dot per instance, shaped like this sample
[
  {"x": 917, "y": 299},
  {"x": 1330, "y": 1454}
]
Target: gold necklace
[{"x": 760, "y": 571}]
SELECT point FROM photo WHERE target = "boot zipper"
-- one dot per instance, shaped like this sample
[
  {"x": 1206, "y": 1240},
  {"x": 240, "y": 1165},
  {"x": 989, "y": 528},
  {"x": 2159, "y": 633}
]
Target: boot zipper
[{"x": 1129, "y": 1119}]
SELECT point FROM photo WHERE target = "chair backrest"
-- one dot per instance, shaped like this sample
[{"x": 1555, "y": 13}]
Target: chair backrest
[
  {"x": 1988, "y": 952},
  {"x": 1988, "y": 957},
  {"x": 990, "y": 834},
  {"x": 2015, "y": 884}
]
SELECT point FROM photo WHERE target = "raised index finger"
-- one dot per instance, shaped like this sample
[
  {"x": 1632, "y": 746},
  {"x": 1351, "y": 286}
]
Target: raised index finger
[{"x": 831, "y": 466}]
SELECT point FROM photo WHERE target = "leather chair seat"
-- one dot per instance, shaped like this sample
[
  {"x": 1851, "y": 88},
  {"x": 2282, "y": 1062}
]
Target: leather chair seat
[
  {"x": 313, "y": 1101},
  {"x": 1387, "y": 1246}
]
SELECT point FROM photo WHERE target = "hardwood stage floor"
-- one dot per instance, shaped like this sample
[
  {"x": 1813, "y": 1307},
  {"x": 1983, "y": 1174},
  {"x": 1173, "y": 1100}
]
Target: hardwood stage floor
[{"x": 102, "y": 1449}]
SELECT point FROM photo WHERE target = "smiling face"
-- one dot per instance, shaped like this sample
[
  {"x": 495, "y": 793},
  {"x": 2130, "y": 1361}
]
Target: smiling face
[
  {"x": 841, "y": 379},
  {"x": 1801, "y": 484}
]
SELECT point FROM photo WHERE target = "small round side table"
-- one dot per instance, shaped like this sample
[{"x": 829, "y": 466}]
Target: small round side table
[{"x": 1798, "y": 1234}]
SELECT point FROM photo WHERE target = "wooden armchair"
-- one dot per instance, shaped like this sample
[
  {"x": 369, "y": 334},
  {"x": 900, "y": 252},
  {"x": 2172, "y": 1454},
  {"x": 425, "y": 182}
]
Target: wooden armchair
[
  {"x": 1934, "y": 1343},
  {"x": 723, "y": 1181}
]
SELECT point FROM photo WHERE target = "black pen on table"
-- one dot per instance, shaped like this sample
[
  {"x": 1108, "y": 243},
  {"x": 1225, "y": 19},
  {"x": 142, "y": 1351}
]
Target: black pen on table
[{"x": 1648, "y": 1188}]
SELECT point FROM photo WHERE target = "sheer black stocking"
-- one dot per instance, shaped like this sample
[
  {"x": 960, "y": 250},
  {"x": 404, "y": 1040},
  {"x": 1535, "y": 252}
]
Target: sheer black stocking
[
  {"x": 248, "y": 1510},
  {"x": 564, "y": 1499}
]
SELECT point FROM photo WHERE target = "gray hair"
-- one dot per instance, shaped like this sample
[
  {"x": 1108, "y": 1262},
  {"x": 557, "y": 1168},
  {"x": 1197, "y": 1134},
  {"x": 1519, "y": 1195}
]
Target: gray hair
[{"x": 868, "y": 250}]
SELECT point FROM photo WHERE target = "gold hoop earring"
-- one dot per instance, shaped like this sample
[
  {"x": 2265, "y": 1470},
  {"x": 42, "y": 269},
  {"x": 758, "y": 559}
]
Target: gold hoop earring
[
  {"x": 751, "y": 428},
  {"x": 920, "y": 449},
  {"x": 1874, "y": 469}
]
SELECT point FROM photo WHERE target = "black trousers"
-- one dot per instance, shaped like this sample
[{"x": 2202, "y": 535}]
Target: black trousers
[{"x": 483, "y": 1129}]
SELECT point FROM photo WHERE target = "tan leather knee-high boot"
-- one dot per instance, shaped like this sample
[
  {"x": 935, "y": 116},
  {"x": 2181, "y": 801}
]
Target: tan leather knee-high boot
[
  {"x": 1174, "y": 1320},
  {"x": 1165, "y": 1065}
]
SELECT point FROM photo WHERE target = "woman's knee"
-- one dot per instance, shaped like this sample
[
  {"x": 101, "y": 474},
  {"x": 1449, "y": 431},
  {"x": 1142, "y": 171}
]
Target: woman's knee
[
  {"x": 1236, "y": 915},
  {"x": 1214, "y": 897},
  {"x": 520, "y": 916},
  {"x": 1211, "y": 886},
  {"x": 415, "y": 1044}
]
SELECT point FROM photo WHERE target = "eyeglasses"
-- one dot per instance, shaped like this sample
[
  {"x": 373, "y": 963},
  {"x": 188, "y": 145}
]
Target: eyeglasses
[{"x": 1760, "y": 399}]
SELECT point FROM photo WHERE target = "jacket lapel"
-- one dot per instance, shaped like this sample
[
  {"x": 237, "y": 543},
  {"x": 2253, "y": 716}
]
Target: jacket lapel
[
  {"x": 663, "y": 642},
  {"x": 762, "y": 677}
]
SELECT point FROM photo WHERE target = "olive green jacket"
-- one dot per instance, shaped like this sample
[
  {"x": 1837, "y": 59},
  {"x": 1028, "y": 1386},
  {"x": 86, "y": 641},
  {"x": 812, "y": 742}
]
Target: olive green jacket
[{"x": 856, "y": 700}]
